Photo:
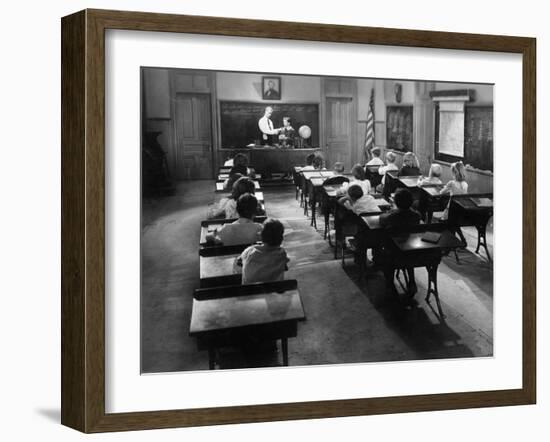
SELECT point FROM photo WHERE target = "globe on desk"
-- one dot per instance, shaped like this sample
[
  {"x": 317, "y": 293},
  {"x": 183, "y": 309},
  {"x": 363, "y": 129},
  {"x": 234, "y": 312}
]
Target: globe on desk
[{"x": 304, "y": 132}]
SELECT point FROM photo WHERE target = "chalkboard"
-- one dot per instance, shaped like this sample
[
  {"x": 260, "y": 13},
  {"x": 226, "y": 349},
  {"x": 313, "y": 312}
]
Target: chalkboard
[
  {"x": 399, "y": 128},
  {"x": 478, "y": 137},
  {"x": 239, "y": 121}
]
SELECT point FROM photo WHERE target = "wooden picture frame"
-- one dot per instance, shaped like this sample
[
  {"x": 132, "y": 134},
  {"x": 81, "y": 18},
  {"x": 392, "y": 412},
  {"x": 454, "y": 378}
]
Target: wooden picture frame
[
  {"x": 271, "y": 87},
  {"x": 83, "y": 220}
]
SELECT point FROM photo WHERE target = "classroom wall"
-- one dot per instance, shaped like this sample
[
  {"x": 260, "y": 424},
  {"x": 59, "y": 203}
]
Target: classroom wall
[
  {"x": 417, "y": 95},
  {"x": 248, "y": 87},
  {"x": 297, "y": 88}
]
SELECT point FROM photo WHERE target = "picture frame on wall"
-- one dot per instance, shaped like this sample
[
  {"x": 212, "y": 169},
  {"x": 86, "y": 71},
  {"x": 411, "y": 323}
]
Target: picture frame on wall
[
  {"x": 271, "y": 88},
  {"x": 103, "y": 388}
]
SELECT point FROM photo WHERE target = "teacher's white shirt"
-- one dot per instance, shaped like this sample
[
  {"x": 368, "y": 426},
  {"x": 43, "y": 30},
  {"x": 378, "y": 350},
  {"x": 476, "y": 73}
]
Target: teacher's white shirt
[{"x": 266, "y": 126}]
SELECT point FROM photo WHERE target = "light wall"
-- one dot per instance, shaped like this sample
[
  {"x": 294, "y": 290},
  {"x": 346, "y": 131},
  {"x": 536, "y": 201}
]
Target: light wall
[{"x": 238, "y": 86}]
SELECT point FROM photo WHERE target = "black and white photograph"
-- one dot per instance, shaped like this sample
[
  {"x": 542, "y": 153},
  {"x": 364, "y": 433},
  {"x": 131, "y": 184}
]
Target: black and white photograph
[{"x": 351, "y": 222}]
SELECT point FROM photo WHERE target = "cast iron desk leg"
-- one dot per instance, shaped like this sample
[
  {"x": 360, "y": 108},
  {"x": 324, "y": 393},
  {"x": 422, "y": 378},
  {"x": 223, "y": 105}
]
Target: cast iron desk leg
[
  {"x": 482, "y": 238},
  {"x": 313, "y": 201},
  {"x": 432, "y": 287}
]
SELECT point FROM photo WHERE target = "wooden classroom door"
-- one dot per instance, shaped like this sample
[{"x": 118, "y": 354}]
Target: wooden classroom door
[
  {"x": 339, "y": 130},
  {"x": 193, "y": 137}
]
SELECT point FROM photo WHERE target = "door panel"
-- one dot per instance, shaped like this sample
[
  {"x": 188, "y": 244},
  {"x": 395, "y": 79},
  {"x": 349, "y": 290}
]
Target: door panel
[
  {"x": 339, "y": 114},
  {"x": 193, "y": 137}
]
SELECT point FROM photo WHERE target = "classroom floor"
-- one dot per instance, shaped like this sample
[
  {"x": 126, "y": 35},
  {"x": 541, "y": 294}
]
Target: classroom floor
[{"x": 348, "y": 320}]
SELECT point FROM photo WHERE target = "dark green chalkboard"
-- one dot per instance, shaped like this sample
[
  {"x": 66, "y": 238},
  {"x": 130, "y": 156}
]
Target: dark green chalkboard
[
  {"x": 478, "y": 137},
  {"x": 239, "y": 121}
]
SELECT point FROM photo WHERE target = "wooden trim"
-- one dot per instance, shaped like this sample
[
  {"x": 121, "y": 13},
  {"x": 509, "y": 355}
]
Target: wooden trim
[
  {"x": 83, "y": 218},
  {"x": 73, "y": 253}
]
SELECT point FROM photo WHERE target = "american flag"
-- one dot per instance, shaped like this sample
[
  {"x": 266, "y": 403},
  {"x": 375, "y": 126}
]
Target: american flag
[{"x": 369, "y": 134}]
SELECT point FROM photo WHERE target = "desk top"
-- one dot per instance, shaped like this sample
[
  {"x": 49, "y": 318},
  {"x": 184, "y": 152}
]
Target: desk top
[
  {"x": 372, "y": 221},
  {"x": 253, "y": 309},
  {"x": 219, "y": 186},
  {"x": 433, "y": 191},
  {"x": 409, "y": 181},
  {"x": 411, "y": 242},
  {"x": 474, "y": 203},
  {"x": 215, "y": 266},
  {"x": 309, "y": 174}
]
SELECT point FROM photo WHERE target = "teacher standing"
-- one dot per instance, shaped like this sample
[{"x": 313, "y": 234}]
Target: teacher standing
[{"x": 266, "y": 127}]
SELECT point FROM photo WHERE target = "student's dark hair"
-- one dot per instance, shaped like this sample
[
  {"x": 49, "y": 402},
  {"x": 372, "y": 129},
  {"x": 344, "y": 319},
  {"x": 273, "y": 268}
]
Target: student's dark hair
[
  {"x": 232, "y": 179},
  {"x": 309, "y": 159},
  {"x": 403, "y": 199},
  {"x": 358, "y": 172},
  {"x": 318, "y": 162},
  {"x": 288, "y": 119},
  {"x": 273, "y": 231},
  {"x": 242, "y": 185},
  {"x": 247, "y": 205},
  {"x": 355, "y": 192},
  {"x": 240, "y": 160}
]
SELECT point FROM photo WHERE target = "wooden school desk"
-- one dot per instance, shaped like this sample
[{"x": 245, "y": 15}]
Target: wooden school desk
[
  {"x": 220, "y": 188},
  {"x": 347, "y": 223},
  {"x": 231, "y": 315},
  {"x": 216, "y": 265},
  {"x": 432, "y": 200},
  {"x": 303, "y": 178},
  {"x": 472, "y": 210},
  {"x": 371, "y": 173},
  {"x": 410, "y": 250}
]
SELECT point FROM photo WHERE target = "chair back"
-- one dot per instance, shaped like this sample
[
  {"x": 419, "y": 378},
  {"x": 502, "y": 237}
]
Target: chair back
[{"x": 335, "y": 180}]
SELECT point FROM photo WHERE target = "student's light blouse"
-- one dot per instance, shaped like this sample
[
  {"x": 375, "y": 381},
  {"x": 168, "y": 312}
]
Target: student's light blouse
[
  {"x": 242, "y": 231},
  {"x": 455, "y": 188},
  {"x": 429, "y": 181},
  {"x": 388, "y": 168},
  {"x": 263, "y": 263},
  {"x": 365, "y": 204},
  {"x": 227, "y": 207},
  {"x": 309, "y": 167},
  {"x": 375, "y": 162},
  {"x": 364, "y": 184}
]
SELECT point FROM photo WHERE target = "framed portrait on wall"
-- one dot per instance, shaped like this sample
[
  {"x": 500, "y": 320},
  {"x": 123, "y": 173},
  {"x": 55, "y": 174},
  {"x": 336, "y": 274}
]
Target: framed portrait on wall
[
  {"x": 161, "y": 112},
  {"x": 271, "y": 88}
]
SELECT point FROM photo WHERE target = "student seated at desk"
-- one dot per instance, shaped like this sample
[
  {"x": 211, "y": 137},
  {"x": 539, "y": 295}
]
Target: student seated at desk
[
  {"x": 338, "y": 168},
  {"x": 457, "y": 186},
  {"x": 357, "y": 201},
  {"x": 240, "y": 168},
  {"x": 267, "y": 261},
  {"x": 242, "y": 231},
  {"x": 309, "y": 162},
  {"x": 359, "y": 178},
  {"x": 421, "y": 205},
  {"x": 401, "y": 216},
  {"x": 227, "y": 207},
  {"x": 390, "y": 159},
  {"x": 433, "y": 177},
  {"x": 318, "y": 162},
  {"x": 383, "y": 170},
  {"x": 375, "y": 160},
  {"x": 410, "y": 167}
]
